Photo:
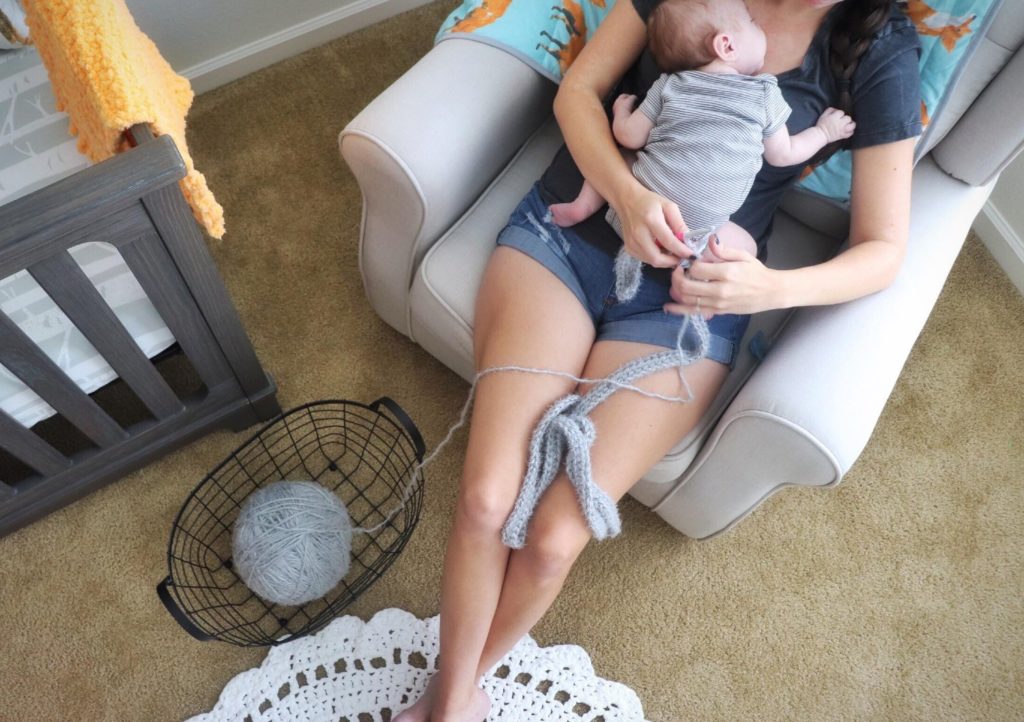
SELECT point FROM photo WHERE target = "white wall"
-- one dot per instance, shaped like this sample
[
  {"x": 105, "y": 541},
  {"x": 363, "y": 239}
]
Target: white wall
[
  {"x": 1001, "y": 223},
  {"x": 213, "y": 42},
  {"x": 1007, "y": 195}
]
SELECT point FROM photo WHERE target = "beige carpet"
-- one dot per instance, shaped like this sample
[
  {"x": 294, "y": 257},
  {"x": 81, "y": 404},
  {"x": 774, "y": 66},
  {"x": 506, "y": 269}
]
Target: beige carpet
[{"x": 897, "y": 596}]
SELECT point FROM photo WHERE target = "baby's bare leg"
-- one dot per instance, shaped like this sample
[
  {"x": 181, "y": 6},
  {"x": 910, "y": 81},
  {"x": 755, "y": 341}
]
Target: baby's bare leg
[
  {"x": 732, "y": 236},
  {"x": 585, "y": 205}
]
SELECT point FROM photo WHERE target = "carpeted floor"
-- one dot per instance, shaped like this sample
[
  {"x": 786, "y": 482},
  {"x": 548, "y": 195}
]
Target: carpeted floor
[{"x": 897, "y": 596}]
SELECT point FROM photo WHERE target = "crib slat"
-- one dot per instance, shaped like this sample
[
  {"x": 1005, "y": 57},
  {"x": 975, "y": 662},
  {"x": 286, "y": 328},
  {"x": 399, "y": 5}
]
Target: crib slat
[
  {"x": 148, "y": 260},
  {"x": 71, "y": 289},
  {"x": 176, "y": 225},
  {"x": 27, "y": 447},
  {"x": 26, "y": 361}
]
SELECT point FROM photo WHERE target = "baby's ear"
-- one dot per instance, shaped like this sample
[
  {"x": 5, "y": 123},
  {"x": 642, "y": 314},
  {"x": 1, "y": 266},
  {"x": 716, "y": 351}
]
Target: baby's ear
[{"x": 724, "y": 47}]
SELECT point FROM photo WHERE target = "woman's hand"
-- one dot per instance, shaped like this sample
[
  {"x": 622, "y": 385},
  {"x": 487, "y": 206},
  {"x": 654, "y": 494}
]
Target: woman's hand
[
  {"x": 652, "y": 227},
  {"x": 739, "y": 284}
]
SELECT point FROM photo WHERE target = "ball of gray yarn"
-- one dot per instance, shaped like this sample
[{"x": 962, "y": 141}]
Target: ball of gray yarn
[{"x": 292, "y": 541}]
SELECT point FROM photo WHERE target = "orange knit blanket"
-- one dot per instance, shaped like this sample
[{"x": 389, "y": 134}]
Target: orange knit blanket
[{"x": 107, "y": 75}]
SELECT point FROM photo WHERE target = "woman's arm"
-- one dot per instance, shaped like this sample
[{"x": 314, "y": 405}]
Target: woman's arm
[
  {"x": 645, "y": 215},
  {"x": 879, "y": 226}
]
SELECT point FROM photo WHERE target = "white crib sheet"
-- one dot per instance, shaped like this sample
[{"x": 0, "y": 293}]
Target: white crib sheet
[{"x": 36, "y": 150}]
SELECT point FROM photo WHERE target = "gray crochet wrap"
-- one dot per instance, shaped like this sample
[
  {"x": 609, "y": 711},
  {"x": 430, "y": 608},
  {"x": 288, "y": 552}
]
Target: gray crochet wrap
[
  {"x": 567, "y": 432},
  {"x": 628, "y": 270}
]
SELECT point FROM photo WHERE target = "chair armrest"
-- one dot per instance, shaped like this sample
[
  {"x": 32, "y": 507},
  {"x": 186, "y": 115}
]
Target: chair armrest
[
  {"x": 424, "y": 150},
  {"x": 806, "y": 413},
  {"x": 989, "y": 135}
]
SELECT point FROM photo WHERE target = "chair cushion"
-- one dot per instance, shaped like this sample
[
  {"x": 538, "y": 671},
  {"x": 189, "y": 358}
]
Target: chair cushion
[{"x": 444, "y": 292}]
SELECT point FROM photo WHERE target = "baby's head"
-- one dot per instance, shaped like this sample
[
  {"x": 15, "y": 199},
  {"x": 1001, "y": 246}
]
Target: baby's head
[{"x": 689, "y": 34}]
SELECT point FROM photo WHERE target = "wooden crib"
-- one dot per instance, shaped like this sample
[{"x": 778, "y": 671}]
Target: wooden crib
[{"x": 133, "y": 202}]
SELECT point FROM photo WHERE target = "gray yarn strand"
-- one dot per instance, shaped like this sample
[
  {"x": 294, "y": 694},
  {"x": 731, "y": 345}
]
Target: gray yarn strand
[
  {"x": 629, "y": 270},
  {"x": 628, "y": 274},
  {"x": 566, "y": 432}
]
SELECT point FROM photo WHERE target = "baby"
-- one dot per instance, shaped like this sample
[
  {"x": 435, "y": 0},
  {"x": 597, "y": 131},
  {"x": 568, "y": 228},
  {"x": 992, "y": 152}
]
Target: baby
[{"x": 703, "y": 127}]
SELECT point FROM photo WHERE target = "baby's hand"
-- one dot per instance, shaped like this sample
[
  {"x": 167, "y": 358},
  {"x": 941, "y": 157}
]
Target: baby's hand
[
  {"x": 836, "y": 125},
  {"x": 623, "y": 105}
]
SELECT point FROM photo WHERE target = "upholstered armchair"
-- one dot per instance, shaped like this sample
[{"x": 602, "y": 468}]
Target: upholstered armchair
[{"x": 439, "y": 180}]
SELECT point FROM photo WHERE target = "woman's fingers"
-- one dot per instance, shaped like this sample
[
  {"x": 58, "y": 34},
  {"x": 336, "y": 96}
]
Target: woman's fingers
[
  {"x": 697, "y": 279},
  {"x": 702, "y": 271},
  {"x": 665, "y": 249},
  {"x": 657, "y": 238},
  {"x": 659, "y": 258},
  {"x": 688, "y": 292},
  {"x": 692, "y": 296},
  {"x": 651, "y": 251},
  {"x": 682, "y": 309},
  {"x": 670, "y": 229},
  {"x": 692, "y": 301},
  {"x": 652, "y": 227}
]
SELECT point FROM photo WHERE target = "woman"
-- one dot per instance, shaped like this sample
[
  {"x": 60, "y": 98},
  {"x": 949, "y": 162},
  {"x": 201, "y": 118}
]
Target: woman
[{"x": 536, "y": 309}]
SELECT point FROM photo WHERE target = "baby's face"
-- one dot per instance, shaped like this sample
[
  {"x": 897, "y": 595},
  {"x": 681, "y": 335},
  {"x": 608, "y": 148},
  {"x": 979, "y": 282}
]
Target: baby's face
[{"x": 751, "y": 45}]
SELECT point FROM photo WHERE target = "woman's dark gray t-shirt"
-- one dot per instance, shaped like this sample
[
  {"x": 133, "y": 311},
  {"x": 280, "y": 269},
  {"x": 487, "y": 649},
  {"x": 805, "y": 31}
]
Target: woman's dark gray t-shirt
[{"x": 886, "y": 106}]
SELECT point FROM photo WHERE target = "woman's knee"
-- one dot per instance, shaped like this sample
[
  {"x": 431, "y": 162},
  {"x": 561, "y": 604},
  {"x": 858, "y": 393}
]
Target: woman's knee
[
  {"x": 552, "y": 547},
  {"x": 484, "y": 505}
]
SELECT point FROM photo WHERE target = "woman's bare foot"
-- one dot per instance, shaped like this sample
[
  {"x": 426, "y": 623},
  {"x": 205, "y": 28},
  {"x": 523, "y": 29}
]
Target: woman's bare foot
[
  {"x": 476, "y": 710},
  {"x": 420, "y": 710}
]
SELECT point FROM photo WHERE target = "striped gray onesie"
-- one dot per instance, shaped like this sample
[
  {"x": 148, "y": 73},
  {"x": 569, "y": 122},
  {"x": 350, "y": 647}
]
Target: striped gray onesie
[{"x": 707, "y": 143}]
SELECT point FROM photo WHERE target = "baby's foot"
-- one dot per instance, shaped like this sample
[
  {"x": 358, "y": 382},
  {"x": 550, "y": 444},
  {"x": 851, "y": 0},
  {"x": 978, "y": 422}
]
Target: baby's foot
[
  {"x": 567, "y": 214},
  {"x": 420, "y": 711},
  {"x": 476, "y": 710}
]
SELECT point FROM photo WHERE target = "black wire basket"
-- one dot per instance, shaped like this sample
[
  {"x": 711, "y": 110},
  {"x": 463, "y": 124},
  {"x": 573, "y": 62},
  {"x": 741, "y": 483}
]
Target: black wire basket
[{"x": 366, "y": 456}]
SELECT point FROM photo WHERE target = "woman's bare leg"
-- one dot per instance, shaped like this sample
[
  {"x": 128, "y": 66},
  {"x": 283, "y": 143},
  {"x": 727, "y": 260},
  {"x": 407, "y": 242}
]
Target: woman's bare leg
[
  {"x": 633, "y": 433},
  {"x": 524, "y": 316}
]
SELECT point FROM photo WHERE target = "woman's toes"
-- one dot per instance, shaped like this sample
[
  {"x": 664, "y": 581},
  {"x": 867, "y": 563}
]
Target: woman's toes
[
  {"x": 482, "y": 707},
  {"x": 420, "y": 710},
  {"x": 476, "y": 710}
]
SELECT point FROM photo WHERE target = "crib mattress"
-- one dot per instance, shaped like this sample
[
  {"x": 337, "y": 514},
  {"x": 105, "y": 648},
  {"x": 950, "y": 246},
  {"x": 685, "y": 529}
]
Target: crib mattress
[{"x": 36, "y": 150}]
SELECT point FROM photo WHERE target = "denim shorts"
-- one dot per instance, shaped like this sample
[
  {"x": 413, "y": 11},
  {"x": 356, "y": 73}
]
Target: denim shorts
[{"x": 589, "y": 273}]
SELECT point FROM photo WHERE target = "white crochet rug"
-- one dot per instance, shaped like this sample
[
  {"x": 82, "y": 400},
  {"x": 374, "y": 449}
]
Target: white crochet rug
[{"x": 352, "y": 671}]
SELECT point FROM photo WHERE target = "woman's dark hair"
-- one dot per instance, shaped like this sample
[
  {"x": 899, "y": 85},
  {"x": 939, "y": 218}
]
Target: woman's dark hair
[{"x": 856, "y": 22}]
